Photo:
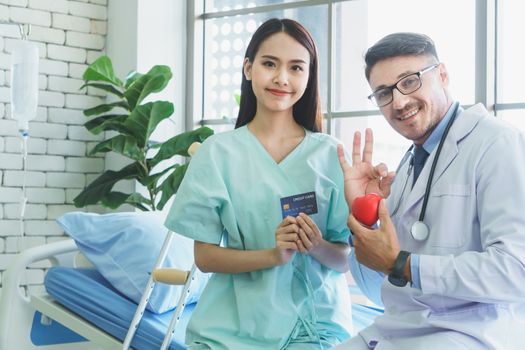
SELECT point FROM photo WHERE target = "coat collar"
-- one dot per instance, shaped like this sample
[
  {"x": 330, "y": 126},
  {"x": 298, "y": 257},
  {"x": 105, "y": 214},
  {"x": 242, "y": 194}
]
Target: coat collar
[{"x": 465, "y": 122}]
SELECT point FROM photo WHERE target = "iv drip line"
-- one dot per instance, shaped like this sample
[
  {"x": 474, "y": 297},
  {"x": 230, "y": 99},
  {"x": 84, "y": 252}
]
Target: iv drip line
[
  {"x": 24, "y": 72},
  {"x": 23, "y": 197}
]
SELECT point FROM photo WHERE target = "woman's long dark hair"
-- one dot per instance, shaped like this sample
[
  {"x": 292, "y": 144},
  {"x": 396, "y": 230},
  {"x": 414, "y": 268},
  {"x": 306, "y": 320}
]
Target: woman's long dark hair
[{"x": 306, "y": 111}]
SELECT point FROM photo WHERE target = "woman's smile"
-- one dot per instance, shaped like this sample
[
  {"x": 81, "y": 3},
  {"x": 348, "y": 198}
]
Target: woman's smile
[{"x": 278, "y": 92}]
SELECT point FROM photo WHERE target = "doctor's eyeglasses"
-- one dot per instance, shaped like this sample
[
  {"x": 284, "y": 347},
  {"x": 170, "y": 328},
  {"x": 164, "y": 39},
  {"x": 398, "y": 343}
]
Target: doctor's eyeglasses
[{"x": 406, "y": 85}]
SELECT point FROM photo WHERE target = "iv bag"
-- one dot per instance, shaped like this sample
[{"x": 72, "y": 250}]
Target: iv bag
[{"x": 24, "y": 83}]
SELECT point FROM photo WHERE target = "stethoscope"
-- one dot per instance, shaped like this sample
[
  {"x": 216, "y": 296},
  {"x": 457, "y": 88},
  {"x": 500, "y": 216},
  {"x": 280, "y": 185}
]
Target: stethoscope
[{"x": 419, "y": 230}]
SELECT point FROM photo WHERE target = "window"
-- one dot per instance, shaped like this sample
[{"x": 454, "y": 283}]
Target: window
[
  {"x": 343, "y": 30},
  {"x": 510, "y": 74},
  {"x": 511, "y": 56},
  {"x": 359, "y": 24}
]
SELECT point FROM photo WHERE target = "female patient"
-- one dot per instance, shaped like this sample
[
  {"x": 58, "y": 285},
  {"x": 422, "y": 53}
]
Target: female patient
[{"x": 278, "y": 278}]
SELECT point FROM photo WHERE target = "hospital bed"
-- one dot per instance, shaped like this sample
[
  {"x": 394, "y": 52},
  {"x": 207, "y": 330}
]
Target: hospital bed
[
  {"x": 51, "y": 321},
  {"x": 108, "y": 319}
]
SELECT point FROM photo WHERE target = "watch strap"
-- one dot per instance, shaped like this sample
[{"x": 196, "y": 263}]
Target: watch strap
[{"x": 397, "y": 276}]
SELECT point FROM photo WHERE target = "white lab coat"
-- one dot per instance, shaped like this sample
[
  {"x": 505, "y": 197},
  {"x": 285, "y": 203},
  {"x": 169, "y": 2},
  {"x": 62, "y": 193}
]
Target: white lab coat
[{"x": 472, "y": 266}]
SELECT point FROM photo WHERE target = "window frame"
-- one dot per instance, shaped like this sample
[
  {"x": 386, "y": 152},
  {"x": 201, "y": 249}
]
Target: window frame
[{"x": 486, "y": 53}]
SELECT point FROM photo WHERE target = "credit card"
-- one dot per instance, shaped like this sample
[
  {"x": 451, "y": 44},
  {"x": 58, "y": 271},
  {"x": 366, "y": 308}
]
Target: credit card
[{"x": 299, "y": 203}]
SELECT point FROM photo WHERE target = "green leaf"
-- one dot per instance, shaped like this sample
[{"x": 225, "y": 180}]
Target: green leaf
[
  {"x": 137, "y": 200},
  {"x": 152, "y": 144},
  {"x": 178, "y": 145},
  {"x": 237, "y": 98},
  {"x": 170, "y": 186},
  {"x": 105, "y": 87},
  {"x": 131, "y": 78},
  {"x": 103, "y": 184},
  {"x": 123, "y": 144},
  {"x": 101, "y": 70},
  {"x": 145, "y": 118},
  {"x": 104, "y": 108},
  {"x": 134, "y": 127},
  {"x": 107, "y": 122},
  {"x": 151, "y": 180},
  {"x": 115, "y": 199},
  {"x": 155, "y": 80}
]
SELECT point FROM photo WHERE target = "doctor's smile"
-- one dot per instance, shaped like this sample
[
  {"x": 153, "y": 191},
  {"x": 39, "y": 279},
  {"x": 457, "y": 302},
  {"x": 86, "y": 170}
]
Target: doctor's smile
[{"x": 404, "y": 116}]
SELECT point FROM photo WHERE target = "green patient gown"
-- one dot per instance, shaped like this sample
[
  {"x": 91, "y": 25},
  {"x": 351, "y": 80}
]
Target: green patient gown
[{"x": 231, "y": 195}]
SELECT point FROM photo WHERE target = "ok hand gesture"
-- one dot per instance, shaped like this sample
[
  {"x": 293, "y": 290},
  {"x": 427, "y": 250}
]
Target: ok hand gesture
[{"x": 362, "y": 177}]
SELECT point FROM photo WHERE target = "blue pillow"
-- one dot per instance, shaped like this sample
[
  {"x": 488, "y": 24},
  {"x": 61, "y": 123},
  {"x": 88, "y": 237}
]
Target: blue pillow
[{"x": 124, "y": 248}]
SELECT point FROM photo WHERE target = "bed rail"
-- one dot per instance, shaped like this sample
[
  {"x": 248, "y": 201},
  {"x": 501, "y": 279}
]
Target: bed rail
[
  {"x": 18, "y": 310},
  {"x": 17, "y": 313}
]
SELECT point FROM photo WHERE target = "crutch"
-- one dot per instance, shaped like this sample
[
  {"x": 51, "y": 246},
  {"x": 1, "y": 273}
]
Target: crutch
[
  {"x": 168, "y": 276},
  {"x": 174, "y": 276}
]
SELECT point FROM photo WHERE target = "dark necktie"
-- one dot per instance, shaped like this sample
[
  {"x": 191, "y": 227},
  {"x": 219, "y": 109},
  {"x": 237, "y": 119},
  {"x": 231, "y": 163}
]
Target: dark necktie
[{"x": 420, "y": 156}]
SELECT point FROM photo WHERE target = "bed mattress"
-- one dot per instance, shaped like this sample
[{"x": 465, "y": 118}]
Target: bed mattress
[{"x": 88, "y": 294}]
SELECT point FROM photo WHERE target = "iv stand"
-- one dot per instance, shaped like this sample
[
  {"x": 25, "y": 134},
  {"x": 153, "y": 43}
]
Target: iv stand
[
  {"x": 23, "y": 33},
  {"x": 23, "y": 135}
]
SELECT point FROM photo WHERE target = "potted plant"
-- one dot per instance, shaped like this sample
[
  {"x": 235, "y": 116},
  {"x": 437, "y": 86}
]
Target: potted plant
[{"x": 132, "y": 124}]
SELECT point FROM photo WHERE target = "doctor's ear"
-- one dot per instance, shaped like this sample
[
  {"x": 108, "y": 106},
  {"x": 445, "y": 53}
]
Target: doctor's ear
[
  {"x": 443, "y": 74},
  {"x": 247, "y": 68}
]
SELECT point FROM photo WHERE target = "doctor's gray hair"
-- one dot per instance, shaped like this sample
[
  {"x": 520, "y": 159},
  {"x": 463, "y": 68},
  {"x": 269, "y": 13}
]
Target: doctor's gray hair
[{"x": 399, "y": 44}]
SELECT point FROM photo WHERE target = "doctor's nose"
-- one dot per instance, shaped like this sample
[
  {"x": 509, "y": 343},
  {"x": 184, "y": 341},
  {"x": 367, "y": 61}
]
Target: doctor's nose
[{"x": 399, "y": 101}]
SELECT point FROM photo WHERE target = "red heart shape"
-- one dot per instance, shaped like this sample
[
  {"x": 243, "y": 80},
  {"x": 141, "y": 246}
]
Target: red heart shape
[{"x": 365, "y": 208}]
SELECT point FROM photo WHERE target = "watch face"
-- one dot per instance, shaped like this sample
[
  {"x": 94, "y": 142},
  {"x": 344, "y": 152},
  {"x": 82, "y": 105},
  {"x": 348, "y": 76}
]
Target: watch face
[{"x": 397, "y": 281}]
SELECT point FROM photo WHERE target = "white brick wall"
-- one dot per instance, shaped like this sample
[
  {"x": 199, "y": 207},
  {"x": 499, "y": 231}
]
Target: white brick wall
[
  {"x": 9, "y": 228},
  {"x": 68, "y": 180},
  {"x": 48, "y": 35},
  {"x": 53, "y": 67},
  {"x": 67, "y": 148},
  {"x": 65, "y": 53},
  {"x": 77, "y": 24},
  {"x": 55, "y": 211},
  {"x": 16, "y": 244},
  {"x": 24, "y": 15},
  {"x": 66, "y": 116},
  {"x": 81, "y": 134},
  {"x": 77, "y": 70},
  {"x": 32, "y": 178},
  {"x": 33, "y": 211},
  {"x": 10, "y": 42},
  {"x": 34, "y": 144},
  {"x": 69, "y": 35},
  {"x": 88, "y": 41}
]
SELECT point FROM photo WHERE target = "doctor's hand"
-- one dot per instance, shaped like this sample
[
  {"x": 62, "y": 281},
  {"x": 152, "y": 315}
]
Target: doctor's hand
[
  {"x": 376, "y": 249},
  {"x": 361, "y": 177},
  {"x": 286, "y": 237}
]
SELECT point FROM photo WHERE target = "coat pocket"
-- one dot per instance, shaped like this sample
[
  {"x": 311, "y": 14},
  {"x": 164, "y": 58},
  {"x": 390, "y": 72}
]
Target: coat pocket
[
  {"x": 451, "y": 190},
  {"x": 451, "y": 210}
]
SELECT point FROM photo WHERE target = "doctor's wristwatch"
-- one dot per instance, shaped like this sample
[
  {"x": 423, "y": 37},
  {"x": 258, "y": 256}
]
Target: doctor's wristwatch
[{"x": 397, "y": 276}]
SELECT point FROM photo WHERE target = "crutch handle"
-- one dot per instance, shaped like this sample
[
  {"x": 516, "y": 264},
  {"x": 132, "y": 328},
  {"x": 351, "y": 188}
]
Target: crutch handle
[{"x": 170, "y": 276}]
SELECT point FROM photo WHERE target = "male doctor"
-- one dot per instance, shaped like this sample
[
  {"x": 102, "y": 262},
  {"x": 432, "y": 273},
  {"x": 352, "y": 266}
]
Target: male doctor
[{"x": 448, "y": 257}]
